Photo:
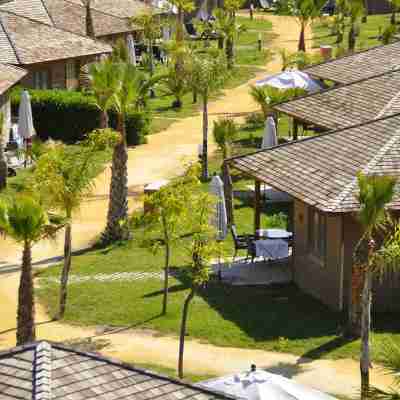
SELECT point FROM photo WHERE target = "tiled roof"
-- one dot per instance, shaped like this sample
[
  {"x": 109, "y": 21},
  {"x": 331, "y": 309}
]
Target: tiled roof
[
  {"x": 348, "y": 105},
  {"x": 45, "y": 371},
  {"x": 120, "y": 8},
  {"x": 10, "y": 76},
  {"x": 26, "y": 41},
  {"x": 34, "y": 9},
  {"x": 322, "y": 171},
  {"x": 365, "y": 64},
  {"x": 72, "y": 17}
]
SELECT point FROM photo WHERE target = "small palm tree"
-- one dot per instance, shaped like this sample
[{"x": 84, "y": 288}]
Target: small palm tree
[
  {"x": 3, "y": 161},
  {"x": 175, "y": 86},
  {"x": 207, "y": 75},
  {"x": 225, "y": 132},
  {"x": 355, "y": 9},
  {"x": 375, "y": 192},
  {"x": 395, "y": 7},
  {"x": 25, "y": 221},
  {"x": 105, "y": 79}
]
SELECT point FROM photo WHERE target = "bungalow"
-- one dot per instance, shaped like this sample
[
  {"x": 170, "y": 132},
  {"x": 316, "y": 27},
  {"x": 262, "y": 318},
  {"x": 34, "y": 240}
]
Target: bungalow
[
  {"x": 364, "y": 64},
  {"x": 9, "y": 77},
  {"x": 71, "y": 16},
  {"x": 346, "y": 105},
  {"x": 320, "y": 173},
  {"x": 43, "y": 370},
  {"x": 52, "y": 57}
]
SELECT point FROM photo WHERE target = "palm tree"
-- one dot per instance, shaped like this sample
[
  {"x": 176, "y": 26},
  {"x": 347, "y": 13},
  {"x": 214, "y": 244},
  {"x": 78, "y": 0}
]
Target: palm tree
[
  {"x": 127, "y": 98},
  {"x": 3, "y": 161},
  {"x": 355, "y": 9},
  {"x": 375, "y": 192},
  {"x": 225, "y": 132},
  {"x": 24, "y": 220},
  {"x": 227, "y": 27},
  {"x": 207, "y": 75},
  {"x": 395, "y": 6},
  {"x": 305, "y": 11},
  {"x": 64, "y": 176},
  {"x": 105, "y": 79},
  {"x": 176, "y": 86}
]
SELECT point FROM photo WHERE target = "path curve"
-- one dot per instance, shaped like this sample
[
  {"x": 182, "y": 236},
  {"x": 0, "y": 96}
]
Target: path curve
[{"x": 161, "y": 158}]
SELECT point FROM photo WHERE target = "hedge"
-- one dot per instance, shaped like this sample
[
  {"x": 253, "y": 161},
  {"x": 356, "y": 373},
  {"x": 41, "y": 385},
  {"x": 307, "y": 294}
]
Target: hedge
[{"x": 68, "y": 116}]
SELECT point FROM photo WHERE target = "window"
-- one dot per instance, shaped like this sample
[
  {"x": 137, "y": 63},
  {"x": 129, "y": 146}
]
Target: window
[
  {"x": 317, "y": 234},
  {"x": 41, "y": 79},
  {"x": 71, "y": 70}
]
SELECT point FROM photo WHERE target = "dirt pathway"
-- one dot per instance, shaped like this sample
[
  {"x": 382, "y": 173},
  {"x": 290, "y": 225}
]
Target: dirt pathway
[
  {"x": 336, "y": 377},
  {"x": 162, "y": 157}
]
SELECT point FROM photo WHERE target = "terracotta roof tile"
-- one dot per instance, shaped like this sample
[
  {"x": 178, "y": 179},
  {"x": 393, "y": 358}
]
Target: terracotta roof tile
[
  {"x": 322, "y": 170},
  {"x": 34, "y": 42}
]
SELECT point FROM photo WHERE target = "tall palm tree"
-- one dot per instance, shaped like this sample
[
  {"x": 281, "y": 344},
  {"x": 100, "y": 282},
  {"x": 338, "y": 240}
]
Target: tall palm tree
[
  {"x": 25, "y": 221},
  {"x": 3, "y": 161},
  {"x": 375, "y": 192},
  {"x": 207, "y": 75},
  {"x": 305, "y": 11},
  {"x": 105, "y": 82},
  {"x": 128, "y": 97}
]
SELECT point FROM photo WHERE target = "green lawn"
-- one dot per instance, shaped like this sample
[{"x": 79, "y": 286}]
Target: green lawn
[
  {"x": 368, "y": 37},
  {"x": 279, "y": 318}
]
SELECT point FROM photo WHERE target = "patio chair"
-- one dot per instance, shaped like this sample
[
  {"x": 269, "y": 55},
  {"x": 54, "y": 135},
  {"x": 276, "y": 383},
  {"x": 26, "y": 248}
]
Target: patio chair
[{"x": 241, "y": 242}]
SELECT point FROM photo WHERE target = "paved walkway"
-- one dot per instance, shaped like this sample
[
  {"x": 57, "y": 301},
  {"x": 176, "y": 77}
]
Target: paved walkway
[{"x": 160, "y": 158}]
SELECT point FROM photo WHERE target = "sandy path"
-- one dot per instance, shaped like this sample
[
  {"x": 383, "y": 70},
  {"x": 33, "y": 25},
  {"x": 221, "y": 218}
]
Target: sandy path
[
  {"x": 337, "y": 377},
  {"x": 160, "y": 158}
]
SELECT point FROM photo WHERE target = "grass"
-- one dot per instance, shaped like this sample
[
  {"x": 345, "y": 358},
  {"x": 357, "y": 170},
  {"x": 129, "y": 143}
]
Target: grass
[{"x": 368, "y": 37}]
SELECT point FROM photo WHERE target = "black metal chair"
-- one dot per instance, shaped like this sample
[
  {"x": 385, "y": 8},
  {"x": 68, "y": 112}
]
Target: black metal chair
[{"x": 241, "y": 242}]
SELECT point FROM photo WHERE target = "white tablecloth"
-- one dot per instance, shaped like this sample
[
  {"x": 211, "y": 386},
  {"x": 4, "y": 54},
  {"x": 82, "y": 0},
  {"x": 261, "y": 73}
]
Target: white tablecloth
[{"x": 272, "y": 248}]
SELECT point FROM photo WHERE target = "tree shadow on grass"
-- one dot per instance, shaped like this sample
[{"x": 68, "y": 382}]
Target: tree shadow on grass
[{"x": 172, "y": 289}]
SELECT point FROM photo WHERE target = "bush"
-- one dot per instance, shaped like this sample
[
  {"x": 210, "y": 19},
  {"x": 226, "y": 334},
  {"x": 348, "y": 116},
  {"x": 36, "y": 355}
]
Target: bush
[
  {"x": 255, "y": 120},
  {"x": 68, "y": 116}
]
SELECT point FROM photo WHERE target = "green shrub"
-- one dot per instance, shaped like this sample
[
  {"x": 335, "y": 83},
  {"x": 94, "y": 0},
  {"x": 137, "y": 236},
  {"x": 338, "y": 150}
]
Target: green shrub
[{"x": 68, "y": 116}]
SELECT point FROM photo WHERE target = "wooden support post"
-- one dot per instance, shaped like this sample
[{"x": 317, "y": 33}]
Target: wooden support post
[
  {"x": 228, "y": 192},
  {"x": 257, "y": 206},
  {"x": 295, "y": 129}
]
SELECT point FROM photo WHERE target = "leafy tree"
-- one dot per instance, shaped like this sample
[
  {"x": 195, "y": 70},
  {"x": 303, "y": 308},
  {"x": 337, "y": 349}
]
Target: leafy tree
[
  {"x": 267, "y": 97},
  {"x": 305, "y": 11},
  {"x": 225, "y": 132},
  {"x": 105, "y": 79},
  {"x": 3, "y": 161},
  {"x": 201, "y": 248},
  {"x": 207, "y": 75},
  {"x": 375, "y": 192},
  {"x": 64, "y": 176},
  {"x": 167, "y": 214},
  {"x": 24, "y": 220},
  {"x": 227, "y": 27}
]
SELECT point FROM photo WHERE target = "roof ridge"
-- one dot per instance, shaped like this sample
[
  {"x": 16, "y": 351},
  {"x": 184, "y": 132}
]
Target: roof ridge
[
  {"x": 367, "y": 168},
  {"x": 344, "y": 85},
  {"x": 42, "y": 371},
  {"x": 350, "y": 55},
  {"x": 10, "y": 41},
  {"x": 331, "y": 132}
]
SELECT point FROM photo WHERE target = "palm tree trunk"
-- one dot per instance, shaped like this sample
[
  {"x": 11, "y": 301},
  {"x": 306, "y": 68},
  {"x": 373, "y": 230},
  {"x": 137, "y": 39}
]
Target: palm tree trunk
[
  {"x": 26, "y": 301},
  {"x": 204, "y": 172},
  {"x": 183, "y": 331},
  {"x": 302, "y": 38},
  {"x": 166, "y": 268},
  {"x": 366, "y": 12},
  {"x": 229, "y": 53},
  {"x": 66, "y": 268},
  {"x": 352, "y": 37},
  {"x": 103, "y": 120},
  {"x": 365, "y": 332},
  {"x": 117, "y": 228},
  {"x": 3, "y": 167}
]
